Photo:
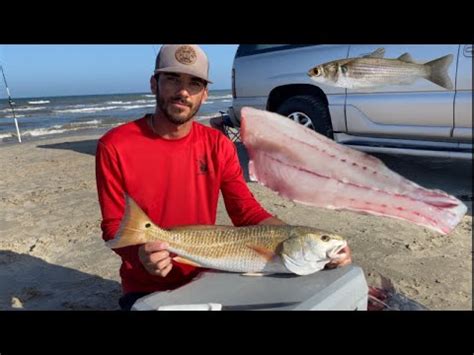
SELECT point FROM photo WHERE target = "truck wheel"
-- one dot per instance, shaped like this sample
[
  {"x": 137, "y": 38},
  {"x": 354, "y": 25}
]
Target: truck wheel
[{"x": 310, "y": 111}]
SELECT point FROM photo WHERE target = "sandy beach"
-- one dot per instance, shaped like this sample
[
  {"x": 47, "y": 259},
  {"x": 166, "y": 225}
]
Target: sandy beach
[{"x": 52, "y": 256}]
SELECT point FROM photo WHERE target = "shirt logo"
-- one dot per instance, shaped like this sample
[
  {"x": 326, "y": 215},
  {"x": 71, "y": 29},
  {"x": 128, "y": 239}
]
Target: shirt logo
[{"x": 203, "y": 168}]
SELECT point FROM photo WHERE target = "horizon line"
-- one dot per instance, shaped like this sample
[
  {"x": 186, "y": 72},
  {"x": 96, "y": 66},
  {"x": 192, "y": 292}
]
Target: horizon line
[{"x": 101, "y": 94}]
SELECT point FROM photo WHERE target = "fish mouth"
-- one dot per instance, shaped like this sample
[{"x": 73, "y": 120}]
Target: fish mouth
[{"x": 334, "y": 253}]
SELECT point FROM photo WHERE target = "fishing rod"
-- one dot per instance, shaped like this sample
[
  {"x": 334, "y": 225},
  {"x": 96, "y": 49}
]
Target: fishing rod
[{"x": 10, "y": 102}]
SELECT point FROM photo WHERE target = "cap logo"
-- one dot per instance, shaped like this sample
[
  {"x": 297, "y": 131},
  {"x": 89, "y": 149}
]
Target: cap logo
[{"x": 186, "y": 55}]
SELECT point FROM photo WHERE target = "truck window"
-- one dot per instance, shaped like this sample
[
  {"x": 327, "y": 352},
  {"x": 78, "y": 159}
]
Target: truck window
[{"x": 251, "y": 49}]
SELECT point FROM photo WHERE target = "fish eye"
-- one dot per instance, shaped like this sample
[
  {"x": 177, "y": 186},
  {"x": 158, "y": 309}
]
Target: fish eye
[
  {"x": 314, "y": 72},
  {"x": 325, "y": 238}
]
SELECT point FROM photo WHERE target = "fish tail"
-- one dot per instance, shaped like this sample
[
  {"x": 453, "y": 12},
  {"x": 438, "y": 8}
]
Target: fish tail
[
  {"x": 438, "y": 72},
  {"x": 134, "y": 228}
]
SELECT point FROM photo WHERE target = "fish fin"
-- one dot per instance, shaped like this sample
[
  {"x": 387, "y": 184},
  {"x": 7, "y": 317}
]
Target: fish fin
[
  {"x": 133, "y": 228},
  {"x": 378, "y": 53},
  {"x": 182, "y": 260},
  {"x": 406, "y": 57},
  {"x": 266, "y": 253},
  {"x": 439, "y": 71},
  {"x": 253, "y": 274}
]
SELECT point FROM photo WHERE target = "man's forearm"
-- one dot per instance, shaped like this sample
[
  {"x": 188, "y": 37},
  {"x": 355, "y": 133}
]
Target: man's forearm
[{"x": 272, "y": 221}]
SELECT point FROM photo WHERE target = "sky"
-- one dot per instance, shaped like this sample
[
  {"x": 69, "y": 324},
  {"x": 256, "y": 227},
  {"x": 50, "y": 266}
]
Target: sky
[{"x": 63, "y": 70}]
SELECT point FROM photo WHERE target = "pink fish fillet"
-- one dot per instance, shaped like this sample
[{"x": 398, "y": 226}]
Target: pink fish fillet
[{"x": 309, "y": 168}]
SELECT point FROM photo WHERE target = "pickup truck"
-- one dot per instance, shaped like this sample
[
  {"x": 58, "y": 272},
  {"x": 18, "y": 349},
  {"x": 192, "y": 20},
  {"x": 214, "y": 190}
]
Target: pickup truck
[{"x": 417, "y": 119}]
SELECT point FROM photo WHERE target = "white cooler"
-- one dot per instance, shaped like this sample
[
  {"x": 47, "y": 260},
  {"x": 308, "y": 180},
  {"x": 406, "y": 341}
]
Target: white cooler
[{"x": 337, "y": 289}]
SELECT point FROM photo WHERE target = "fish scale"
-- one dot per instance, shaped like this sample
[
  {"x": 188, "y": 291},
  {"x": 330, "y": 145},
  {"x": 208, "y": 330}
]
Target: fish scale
[{"x": 222, "y": 243}]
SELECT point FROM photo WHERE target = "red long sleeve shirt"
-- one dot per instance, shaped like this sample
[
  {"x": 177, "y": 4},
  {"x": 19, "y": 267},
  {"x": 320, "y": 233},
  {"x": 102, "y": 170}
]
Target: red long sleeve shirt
[{"x": 175, "y": 182}]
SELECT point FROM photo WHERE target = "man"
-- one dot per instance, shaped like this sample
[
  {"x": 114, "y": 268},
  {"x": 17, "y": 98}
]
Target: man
[{"x": 174, "y": 168}]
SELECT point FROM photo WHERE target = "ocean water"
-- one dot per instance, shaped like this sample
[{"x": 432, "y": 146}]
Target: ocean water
[{"x": 46, "y": 116}]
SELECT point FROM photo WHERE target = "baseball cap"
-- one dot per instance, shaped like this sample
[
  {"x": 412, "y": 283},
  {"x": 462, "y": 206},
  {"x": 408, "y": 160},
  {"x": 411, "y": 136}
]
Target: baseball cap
[{"x": 183, "y": 58}]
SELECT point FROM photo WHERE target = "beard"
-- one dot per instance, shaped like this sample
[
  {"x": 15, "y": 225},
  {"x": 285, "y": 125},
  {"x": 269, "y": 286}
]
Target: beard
[{"x": 170, "y": 113}]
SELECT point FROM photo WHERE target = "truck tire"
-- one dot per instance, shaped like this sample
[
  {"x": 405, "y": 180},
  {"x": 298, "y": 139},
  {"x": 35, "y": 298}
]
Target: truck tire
[{"x": 302, "y": 107}]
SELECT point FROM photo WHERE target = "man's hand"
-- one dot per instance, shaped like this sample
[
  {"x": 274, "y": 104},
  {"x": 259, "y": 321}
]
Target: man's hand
[
  {"x": 155, "y": 258},
  {"x": 344, "y": 257}
]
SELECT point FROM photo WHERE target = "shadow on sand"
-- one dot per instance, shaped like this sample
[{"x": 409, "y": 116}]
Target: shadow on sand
[
  {"x": 84, "y": 147},
  {"x": 30, "y": 283}
]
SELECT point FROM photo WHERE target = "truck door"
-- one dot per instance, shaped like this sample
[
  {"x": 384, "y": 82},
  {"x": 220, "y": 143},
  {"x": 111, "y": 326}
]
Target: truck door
[{"x": 421, "y": 110}]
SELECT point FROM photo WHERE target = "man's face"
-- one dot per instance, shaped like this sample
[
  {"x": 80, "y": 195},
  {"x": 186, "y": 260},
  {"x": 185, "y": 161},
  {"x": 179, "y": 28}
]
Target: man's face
[{"x": 179, "y": 96}]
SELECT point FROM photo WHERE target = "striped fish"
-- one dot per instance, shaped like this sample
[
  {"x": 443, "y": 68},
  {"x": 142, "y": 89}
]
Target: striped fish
[{"x": 374, "y": 71}]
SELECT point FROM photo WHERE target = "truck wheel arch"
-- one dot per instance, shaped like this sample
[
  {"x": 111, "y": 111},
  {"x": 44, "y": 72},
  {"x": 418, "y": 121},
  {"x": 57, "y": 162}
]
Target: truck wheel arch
[{"x": 308, "y": 99}]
